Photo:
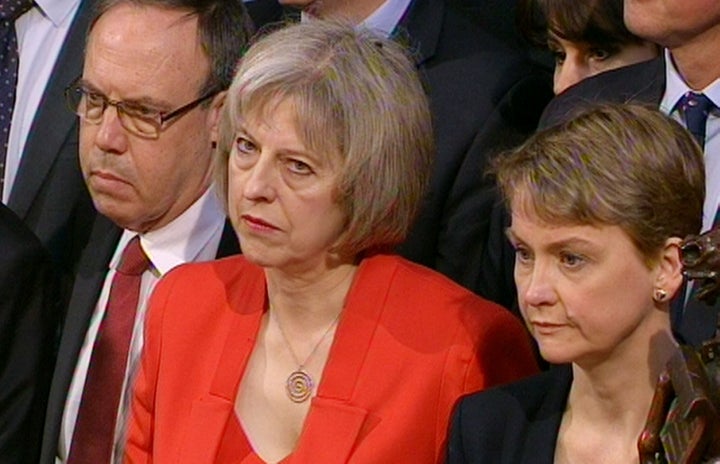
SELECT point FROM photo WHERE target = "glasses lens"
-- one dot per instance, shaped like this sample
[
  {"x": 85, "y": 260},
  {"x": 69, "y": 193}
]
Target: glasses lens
[
  {"x": 138, "y": 125},
  {"x": 93, "y": 106},
  {"x": 73, "y": 97}
]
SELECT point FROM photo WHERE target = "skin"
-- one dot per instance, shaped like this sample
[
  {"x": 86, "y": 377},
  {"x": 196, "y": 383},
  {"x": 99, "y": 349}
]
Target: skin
[
  {"x": 354, "y": 10},
  {"x": 149, "y": 56},
  {"x": 282, "y": 196},
  {"x": 689, "y": 28},
  {"x": 282, "y": 206},
  {"x": 575, "y": 61},
  {"x": 586, "y": 294},
  {"x": 574, "y": 292}
]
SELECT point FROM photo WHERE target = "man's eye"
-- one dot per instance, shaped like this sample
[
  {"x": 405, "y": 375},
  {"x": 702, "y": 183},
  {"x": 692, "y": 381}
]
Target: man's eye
[
  {"x": 94, "y": 99},
  {"x": 140, "y": 111}
]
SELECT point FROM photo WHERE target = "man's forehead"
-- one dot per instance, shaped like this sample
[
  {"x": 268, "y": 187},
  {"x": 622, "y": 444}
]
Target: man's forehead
[
  {"x": 147, "y": 28},
  {"x": 147, "y": 47}
]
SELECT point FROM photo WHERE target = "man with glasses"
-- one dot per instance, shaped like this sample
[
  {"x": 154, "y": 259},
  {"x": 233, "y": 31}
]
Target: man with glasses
[{"x": 148, "y": 101}]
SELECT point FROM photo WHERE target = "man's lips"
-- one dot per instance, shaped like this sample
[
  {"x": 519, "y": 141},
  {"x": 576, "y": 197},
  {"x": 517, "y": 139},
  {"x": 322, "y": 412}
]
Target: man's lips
[{"x": 104, "y": 175}]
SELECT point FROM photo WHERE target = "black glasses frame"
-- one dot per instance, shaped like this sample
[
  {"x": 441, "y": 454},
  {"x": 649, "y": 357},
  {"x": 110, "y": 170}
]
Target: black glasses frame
[{"x": 160, "y": 120}]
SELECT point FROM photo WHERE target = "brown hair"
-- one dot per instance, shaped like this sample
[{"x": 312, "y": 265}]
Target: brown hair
[
  {"x": 623, "y": 165},
  {"x": 357, "y": 97},
  {"x": 598, "y": 22}
]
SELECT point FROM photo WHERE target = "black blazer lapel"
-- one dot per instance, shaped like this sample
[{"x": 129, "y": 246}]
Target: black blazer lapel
[
  {"x": 539, "y": 446},
  {"x": 92, "y": 270}
]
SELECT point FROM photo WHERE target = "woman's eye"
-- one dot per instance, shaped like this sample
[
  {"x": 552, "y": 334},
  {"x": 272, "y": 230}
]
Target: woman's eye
[
  {"x": 522, "y": 255},
  {"x": 244, "y": 145},
  {"x": 556, "y": 51},
  {"x": 558, "y": 56},
  {"x": 571, "y": 260},
  {"x": 599, "y": 54},
  {"x": 299, "y": 167}
]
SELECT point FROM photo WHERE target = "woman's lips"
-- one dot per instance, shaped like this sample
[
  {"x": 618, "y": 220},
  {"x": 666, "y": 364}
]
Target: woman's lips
[
  {"x": 546, "y": 328},
  {"x": 256, "y": 223}
]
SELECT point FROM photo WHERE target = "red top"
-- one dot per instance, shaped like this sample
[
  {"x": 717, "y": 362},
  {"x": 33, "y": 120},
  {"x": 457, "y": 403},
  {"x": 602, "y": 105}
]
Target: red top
[{"x": 409, "y": 343}]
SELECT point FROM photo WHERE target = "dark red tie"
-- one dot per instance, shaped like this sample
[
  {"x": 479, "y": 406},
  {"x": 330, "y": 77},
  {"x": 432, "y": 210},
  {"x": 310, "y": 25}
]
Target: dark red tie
[
  {"x": 93, "y": 439},
  {"x": 10, "y": 10}
]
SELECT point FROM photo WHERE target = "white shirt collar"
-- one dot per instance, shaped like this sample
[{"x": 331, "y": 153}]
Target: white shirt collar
[
  {"x": 676, "y": 87},
  {"x": 383, "y": 20},
  {"x": 181, "y": 240},
  {"x": 57, "y": 10}
]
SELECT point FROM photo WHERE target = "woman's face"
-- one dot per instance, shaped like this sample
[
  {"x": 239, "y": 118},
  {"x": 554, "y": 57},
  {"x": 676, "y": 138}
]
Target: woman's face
[
  {"x": 575, "y": 61},
  {"x": 281, "y": 194},
  {"x": 585, "y": 292}
]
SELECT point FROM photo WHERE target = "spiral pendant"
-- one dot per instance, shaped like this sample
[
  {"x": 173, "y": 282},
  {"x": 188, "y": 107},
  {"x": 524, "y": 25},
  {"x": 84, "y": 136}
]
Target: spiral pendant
[{"x": 299, "y": 386}]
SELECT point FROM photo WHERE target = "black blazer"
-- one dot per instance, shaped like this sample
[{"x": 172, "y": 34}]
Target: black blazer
[
  {"x": 92, "y": 269},
  {"x": 640, "y": 83},
  {"x": 28, "y": 323},
  {"x": 512, "y": 424},
  {"x": 49, "y": 194},
  {"x": 484, "y": 97}
]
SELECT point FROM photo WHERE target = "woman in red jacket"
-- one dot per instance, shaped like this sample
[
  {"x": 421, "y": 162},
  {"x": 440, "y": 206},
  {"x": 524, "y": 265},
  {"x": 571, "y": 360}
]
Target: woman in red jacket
[{"x": 315, "y": 346}]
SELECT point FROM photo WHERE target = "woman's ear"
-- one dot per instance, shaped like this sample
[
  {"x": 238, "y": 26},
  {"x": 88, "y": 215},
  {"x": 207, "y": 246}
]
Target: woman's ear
[
  {"x": 669, "y": 276},
  {"x": 215, "y": 114}
]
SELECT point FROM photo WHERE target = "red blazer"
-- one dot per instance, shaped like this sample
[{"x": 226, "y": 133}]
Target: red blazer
[{"x": 409, "y": 343}]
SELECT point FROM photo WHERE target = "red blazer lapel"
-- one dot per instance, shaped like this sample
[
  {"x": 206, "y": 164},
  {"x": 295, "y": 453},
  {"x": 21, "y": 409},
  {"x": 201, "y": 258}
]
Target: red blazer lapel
[
  {"x": 330, "y": 432},
  {"x": 333, "y": 426},
  {"x": 210, "y": 413}
]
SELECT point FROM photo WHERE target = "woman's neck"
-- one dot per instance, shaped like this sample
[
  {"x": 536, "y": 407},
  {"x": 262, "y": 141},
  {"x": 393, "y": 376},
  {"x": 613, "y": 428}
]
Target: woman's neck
[
  {"x": 617, "y": 386},
  {"x": 609, "y": 402},
  {"x": 303, "y": 301}
]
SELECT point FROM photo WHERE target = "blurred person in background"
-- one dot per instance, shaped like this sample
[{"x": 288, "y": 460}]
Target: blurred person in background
[{"x": 585, "y": 38}]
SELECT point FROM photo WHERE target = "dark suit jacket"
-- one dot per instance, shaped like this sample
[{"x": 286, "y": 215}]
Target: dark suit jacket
[
  {"x": 28, "y": 316},
  {"x": 513, "y": 424},
  {"x": 640, "y": 83},
  {"x": 49, "y": 194},
  {"x": 92, "y": 269},
  {"x": 484, "y": 97}
]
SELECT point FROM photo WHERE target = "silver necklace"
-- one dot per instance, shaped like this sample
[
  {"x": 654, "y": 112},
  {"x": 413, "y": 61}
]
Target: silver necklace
[{"x": 300, "y": 384}]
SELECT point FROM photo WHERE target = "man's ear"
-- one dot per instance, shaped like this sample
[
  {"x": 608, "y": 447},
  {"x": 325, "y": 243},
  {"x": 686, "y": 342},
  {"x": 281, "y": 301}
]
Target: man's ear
[
  {"x": 214, "y": 115},
  {"x": 669, "y": 276}
]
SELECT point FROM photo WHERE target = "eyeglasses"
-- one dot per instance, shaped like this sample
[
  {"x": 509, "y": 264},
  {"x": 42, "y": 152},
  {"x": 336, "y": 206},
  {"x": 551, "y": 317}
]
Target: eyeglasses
[{"x": 137, "y": 119}]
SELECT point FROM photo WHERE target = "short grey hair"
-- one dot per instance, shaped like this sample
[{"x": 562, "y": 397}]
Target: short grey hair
[{"x": 356, "y": 96}]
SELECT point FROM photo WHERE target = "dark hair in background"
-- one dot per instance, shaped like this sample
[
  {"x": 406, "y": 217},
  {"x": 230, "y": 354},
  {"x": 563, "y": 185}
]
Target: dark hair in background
[
  {"x": 224, "y": 26},
  {"x": 598, "y": 22}
]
